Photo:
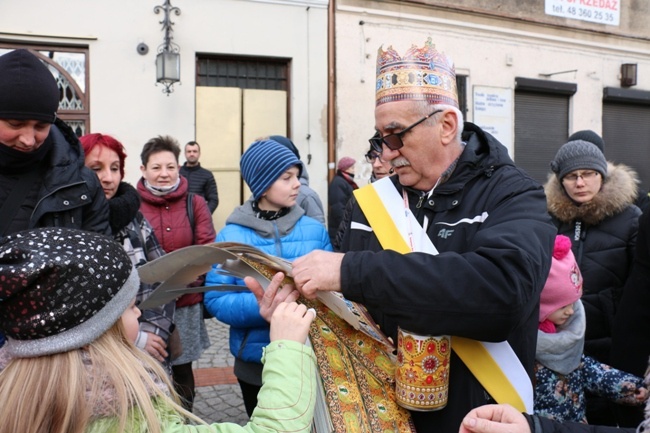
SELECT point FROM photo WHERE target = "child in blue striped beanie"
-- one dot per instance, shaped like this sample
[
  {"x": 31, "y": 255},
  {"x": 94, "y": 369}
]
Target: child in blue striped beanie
[{"x": 272, "y": 222}]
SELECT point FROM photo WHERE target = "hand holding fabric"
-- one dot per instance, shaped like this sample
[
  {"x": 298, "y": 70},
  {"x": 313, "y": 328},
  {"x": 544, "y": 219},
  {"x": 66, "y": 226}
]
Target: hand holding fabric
[
  {"x": 318, "y": 270},
  {"x": 274, "y": 294},
  {"x": 291, "y": 321}
]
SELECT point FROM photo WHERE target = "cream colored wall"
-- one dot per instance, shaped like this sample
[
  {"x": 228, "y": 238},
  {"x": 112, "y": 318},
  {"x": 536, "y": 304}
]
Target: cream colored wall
[
  {"x": 227, "y": 121},
  {"x": 480, "y": 47},
  {"x": 124, "y": 99},
  {"x": 218, "y": 131}
]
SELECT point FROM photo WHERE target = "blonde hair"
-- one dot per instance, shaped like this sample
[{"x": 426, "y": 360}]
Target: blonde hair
[{"x": 56, "y": 393}]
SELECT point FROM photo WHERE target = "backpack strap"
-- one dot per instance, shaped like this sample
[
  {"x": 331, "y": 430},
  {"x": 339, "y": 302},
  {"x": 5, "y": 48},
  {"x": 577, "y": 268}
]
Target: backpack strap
[{"x": 190, "y": 214}]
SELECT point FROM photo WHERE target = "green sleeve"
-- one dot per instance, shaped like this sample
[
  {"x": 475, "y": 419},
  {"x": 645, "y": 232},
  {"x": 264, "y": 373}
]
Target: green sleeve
[
  {"x": 287, "y": 398},
  {"x": 284, "y": 404}
]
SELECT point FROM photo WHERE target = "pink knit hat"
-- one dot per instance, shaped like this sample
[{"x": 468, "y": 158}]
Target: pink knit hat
[
  {"x": 345, "y": 163},
  {"x": 564, "y": 283}
]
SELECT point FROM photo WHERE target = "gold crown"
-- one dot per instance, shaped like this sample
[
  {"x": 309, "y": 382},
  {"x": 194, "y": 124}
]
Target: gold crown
[{"x": 423, "y": 74}]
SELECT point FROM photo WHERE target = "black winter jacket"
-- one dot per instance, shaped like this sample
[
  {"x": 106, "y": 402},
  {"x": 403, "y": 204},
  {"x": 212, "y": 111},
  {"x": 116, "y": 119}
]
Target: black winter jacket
[
  {"x": 201, "y": 181},
  {"x": 495, "y": 238},
  {"x": 70, "y": 194},
  {"x": 338, "y": 193},
  {"x": 545, "y": 425},
  {"x": 631, "y": 330},
  {"x": 603, "y": 234}
]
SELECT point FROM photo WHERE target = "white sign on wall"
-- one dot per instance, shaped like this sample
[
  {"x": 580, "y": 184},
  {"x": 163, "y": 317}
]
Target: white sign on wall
[
  {"x": 596, "y": 11},
  {"x": 493, "y": 112}
]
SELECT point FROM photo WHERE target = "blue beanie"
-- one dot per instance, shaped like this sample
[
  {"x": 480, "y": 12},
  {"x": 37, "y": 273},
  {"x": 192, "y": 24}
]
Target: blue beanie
[{"x": 263, "y": 163}]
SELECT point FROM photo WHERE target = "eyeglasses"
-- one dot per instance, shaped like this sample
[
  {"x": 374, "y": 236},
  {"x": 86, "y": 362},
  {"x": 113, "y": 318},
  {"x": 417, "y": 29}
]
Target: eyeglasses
[
  {"x": 372, "y": 156},
  {"x": 585, "y": 175},
  {"x": 394, "y": 141}
]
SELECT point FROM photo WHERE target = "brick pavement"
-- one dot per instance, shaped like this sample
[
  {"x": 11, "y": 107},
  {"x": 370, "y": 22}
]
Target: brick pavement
[{"x": 218, "y": 397}]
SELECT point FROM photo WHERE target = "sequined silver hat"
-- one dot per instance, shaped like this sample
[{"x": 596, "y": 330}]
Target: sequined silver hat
[{"x": 60, "y": 289}]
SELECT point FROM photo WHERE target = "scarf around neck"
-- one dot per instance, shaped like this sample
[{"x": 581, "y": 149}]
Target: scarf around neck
[
  {"x": 562, "y": 351},
  {"x": 15, "y": 161},
  {"x": 269, "y": 215},
  {"x": 160, "y": 191}
]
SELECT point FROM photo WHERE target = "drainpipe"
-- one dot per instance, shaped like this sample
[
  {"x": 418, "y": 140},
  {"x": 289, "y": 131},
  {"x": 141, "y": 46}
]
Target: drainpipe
[{"x": 331, "y": 91}]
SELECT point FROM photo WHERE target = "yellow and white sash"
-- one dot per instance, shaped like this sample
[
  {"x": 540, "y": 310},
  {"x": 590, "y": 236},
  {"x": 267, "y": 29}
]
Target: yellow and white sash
[{"x": 495, "y": 365}]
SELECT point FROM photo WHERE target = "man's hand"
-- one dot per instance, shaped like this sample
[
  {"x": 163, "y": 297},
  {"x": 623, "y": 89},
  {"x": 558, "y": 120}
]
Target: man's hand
[
  {"x": 156, "y": 347},
  {"x": 268, "y": 300},
  {"x": 318, "y": 270},
  {"x": 494, "y": 418}
]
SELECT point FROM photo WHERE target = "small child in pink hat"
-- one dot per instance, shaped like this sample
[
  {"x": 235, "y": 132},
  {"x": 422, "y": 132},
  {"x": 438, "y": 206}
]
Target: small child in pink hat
[{"x": 562, "y": 372}]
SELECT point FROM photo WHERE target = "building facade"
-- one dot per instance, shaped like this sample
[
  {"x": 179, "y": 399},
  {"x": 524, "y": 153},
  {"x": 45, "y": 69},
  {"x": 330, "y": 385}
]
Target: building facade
[
  {"x": 530, "y": 72},
  {"x": 249, "y": 68}
]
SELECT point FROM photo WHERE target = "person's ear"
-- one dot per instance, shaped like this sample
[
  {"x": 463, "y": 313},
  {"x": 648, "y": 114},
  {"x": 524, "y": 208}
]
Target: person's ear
[
  {"x": 142, "y": 169},
  {"x": 448, "y": 127}
]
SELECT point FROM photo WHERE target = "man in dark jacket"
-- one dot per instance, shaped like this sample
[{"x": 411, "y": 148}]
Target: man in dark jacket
[
  {"x": 486, "y": 218},
  {"x": 200, "y": 180},
  {"x": 43, "y": 180}
]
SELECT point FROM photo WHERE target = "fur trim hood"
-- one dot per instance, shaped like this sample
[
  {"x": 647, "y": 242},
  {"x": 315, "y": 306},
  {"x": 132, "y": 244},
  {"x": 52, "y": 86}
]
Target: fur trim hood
[{"x": 619, "y": 190}]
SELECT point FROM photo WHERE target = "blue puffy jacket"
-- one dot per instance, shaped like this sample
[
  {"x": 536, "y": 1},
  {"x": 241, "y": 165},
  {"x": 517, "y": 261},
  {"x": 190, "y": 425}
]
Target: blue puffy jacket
[{"x": 289, "y": 237}]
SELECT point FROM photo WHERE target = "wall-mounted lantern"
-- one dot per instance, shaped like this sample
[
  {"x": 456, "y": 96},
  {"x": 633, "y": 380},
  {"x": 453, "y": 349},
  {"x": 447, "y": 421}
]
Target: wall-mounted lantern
[
  {"x": 168, "y": 60},
  {"x": 628, "y": 74}
]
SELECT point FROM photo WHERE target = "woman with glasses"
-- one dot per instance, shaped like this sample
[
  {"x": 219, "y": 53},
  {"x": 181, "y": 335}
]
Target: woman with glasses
[
  {"x": 591, "y": 202},
  {"x": 380, "y": 168}
]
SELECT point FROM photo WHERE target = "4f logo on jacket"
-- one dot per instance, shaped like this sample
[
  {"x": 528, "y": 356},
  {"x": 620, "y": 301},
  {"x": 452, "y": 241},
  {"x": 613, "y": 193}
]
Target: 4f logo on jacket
[{"x": 445, "y": 233}]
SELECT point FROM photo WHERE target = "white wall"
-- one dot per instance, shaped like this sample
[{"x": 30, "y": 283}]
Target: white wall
[{"x": 124, "y": 100}]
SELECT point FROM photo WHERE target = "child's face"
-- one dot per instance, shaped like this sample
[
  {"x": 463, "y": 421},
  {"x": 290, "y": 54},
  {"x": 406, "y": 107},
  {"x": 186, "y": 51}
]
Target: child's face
[
  {"x": 130, "y": 321},
  {"x": 560, "y": 316},
  {"x": 283, "y": 192}
]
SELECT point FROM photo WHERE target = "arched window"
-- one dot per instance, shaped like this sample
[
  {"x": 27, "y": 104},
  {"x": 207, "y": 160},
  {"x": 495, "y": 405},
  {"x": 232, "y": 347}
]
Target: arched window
[{"x": 69, "y": 66}]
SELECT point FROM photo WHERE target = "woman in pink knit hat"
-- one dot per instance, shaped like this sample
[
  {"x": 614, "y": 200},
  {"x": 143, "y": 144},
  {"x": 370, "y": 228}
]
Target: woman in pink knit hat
[{"x": 562, "y": 372}]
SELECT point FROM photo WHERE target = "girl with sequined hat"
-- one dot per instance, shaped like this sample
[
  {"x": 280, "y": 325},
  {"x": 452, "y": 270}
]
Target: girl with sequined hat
[{"x": 67, "y": 306}]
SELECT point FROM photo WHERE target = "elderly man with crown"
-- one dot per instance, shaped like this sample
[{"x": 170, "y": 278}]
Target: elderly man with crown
[{"x": 457, "y": 243}]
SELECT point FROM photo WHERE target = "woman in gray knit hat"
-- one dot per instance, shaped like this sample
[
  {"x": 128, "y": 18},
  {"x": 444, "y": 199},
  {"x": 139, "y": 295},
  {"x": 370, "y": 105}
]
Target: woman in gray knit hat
[{"x": 592, "y": 202}]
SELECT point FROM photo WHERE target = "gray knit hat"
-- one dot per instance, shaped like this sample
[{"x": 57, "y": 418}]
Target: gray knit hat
[
  {"x": 61, "y": 289},
  {"x": 578, "y": 155},
  {"x": 590, "y": 136},
  {"x": 264, "y": 162}
]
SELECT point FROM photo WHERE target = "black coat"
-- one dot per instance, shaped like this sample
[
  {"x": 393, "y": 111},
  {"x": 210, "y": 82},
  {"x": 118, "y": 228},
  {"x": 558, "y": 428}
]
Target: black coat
[
  {"x": 631, "y": 329},
  {"x": 338, "y": 194},
  {"x": 495, "y": 239},
  {"x": 603, "y": 233},
  {"x": 201, "y": 181},
  {"x": 545, "y": 425},
  {"x": 70, "y": 194}
]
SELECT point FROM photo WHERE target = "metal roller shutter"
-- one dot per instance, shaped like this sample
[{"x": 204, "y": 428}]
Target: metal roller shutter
[
  {"x": 626, "y": 131},
  {"x": 541, "y": 127}
]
